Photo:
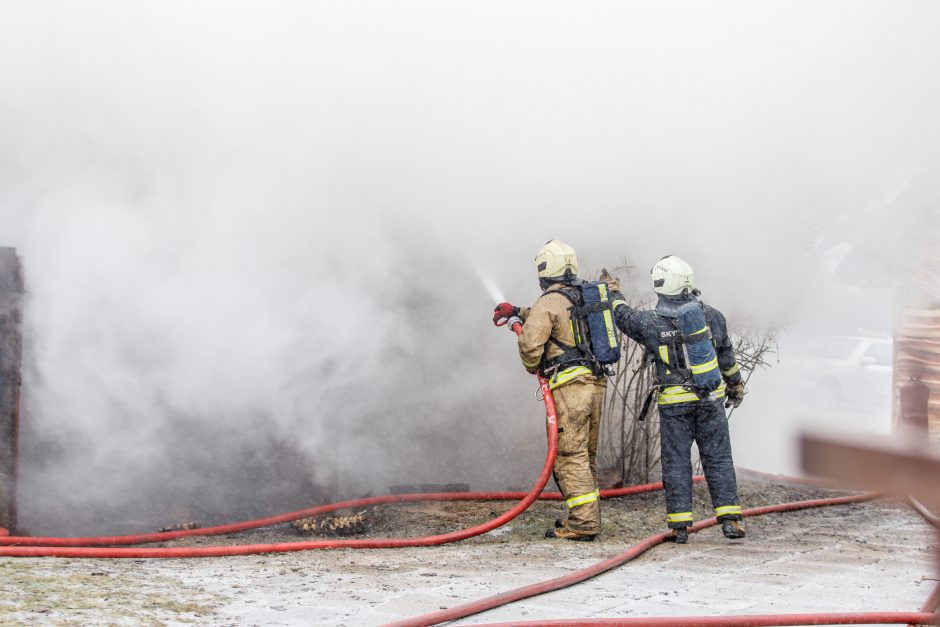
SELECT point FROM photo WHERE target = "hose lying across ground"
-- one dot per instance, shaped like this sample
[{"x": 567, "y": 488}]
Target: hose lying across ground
[
  {"x": 102, "y": 547},
  {"x": 921, "y": 509},
  {"x": 27, "y": 546},
  {"x": 769, "y": 620},
  {"x": 92, "y": 547},
  {"x": 578, "y": 576},
  {"x": 103, "y": 541},
  {"x": 18, "y": 545}
]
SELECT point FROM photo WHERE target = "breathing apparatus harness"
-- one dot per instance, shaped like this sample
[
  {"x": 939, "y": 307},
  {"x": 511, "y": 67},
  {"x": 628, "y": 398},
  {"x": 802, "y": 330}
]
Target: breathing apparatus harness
[
  {"x": 597, "y": 340},
  {"x": 696, "y": 369}
]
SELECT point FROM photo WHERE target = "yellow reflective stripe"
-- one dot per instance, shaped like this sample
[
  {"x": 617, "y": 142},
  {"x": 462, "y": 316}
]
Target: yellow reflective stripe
[
  {"x": 609, "y": 324},
  {"x": 727, "y": 509},
  {"x": 706, "y": 367},
  {"x": 584, "y": 499},
  {"x": 719, "y": 393},
  {"x": 680, "y": 517},
  {"x": 733, "y": 370},
  {"x": 531, "y": 364},
  {"x": 676, "y": 394},
  {"x": 702, "y": 330},
  {"x": 560, "y": 378},
  {"x": 602, "y": 289},
  {"x": 618, "y": 303},
  {"x": 664, "y": 354}
]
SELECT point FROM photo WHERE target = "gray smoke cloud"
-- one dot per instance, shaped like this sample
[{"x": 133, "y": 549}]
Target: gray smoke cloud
[{"x": 253, "y": 232}]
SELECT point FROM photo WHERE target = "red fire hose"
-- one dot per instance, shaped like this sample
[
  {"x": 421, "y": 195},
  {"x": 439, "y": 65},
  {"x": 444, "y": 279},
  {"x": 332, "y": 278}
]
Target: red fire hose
[
  {"x": 504, "y": 598},
  {"x": 921, "y": 509},
  {"x": 79, "y": 547},
  {"x": 28, "y": 545},
  {"x": 54, "y": 546},
  {"x": 933, "y": 601},
  {"x": 313, "y": 511},
  {"x": 839, "y": 618}
]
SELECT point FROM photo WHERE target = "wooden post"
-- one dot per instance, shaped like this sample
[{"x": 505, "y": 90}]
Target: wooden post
[{"x": 11, "y": 358}]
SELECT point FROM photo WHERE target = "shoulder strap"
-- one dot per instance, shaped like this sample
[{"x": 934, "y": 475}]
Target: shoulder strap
[
  {"x": 572, "y": 294},
  {"x": 572, "y": 354}
]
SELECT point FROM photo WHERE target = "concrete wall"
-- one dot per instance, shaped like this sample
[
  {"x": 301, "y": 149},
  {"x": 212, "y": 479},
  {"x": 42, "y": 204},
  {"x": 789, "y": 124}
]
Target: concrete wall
[{"x": 11, "y": 356}]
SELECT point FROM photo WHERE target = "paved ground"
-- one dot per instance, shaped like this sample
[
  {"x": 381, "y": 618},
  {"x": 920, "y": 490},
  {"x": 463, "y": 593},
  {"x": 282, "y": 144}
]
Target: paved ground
[{"x": 862, "y": 557}]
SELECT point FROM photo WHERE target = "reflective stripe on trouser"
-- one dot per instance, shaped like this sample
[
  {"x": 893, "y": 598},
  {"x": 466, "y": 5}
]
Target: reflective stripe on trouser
[
  {"x": 680, "y": 517},
  {"x": 579, "y": 406},
  {"x": 583, "y": 499},
  {"x": 706, "y": 424}
]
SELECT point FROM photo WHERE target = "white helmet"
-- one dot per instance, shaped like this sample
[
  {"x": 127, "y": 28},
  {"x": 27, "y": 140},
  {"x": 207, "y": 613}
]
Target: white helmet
[
  {"x": 555, "y": 258},
  {"x": 672, "y": 276}
]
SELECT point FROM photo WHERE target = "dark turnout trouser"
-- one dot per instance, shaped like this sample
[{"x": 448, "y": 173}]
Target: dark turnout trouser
[{"x": 705, "y": 423}]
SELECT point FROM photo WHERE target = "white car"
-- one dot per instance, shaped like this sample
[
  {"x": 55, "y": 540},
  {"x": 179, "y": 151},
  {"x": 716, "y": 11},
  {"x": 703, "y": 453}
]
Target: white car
[{"x": 851, "y": 373}]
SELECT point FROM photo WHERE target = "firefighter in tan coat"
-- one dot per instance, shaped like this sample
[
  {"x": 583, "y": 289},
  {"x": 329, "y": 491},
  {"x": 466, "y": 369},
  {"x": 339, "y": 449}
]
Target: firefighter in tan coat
[{"x": 547, "y": 346}]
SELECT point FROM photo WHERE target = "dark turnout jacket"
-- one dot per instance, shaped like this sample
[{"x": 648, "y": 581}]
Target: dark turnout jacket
[{"x": 659, "y": 334}]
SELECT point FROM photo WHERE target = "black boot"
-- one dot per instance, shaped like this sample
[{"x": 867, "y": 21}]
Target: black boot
[
  {"x": 679, "y": 536},
  {"x": 733, "y": 529}
]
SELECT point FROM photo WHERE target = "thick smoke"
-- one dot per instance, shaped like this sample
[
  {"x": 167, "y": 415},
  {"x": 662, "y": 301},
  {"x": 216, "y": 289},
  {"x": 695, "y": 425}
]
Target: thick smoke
[{"x": 254, "y": 232}]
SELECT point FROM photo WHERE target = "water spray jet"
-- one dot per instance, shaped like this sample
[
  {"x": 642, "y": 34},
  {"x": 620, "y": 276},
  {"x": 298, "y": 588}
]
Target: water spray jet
[{"x": 489, "y": 284}]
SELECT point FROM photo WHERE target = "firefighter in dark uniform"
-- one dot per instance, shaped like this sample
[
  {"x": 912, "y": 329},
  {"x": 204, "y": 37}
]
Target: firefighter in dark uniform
[{"x": 688, "y": 414}]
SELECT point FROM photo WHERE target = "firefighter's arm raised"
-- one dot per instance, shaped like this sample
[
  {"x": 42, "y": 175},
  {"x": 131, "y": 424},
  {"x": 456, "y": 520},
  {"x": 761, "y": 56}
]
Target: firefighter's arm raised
[
  {"x": 628, "y": 319},
  {"x": 625, "y": 316}
]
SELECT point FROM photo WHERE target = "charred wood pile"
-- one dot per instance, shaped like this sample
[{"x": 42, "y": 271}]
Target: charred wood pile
[{"x": 333, "y": 526}]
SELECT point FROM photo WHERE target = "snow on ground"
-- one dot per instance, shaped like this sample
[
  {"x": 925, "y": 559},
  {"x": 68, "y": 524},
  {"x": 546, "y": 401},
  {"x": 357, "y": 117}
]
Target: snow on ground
[{"x": 866, "y": 557}]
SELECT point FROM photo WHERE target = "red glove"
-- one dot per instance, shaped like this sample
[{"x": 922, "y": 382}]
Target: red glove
[{"x": 503, "y": 312}]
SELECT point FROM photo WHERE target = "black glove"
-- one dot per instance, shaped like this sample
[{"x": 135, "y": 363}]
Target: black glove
[{"x": 734, "y": 394}]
